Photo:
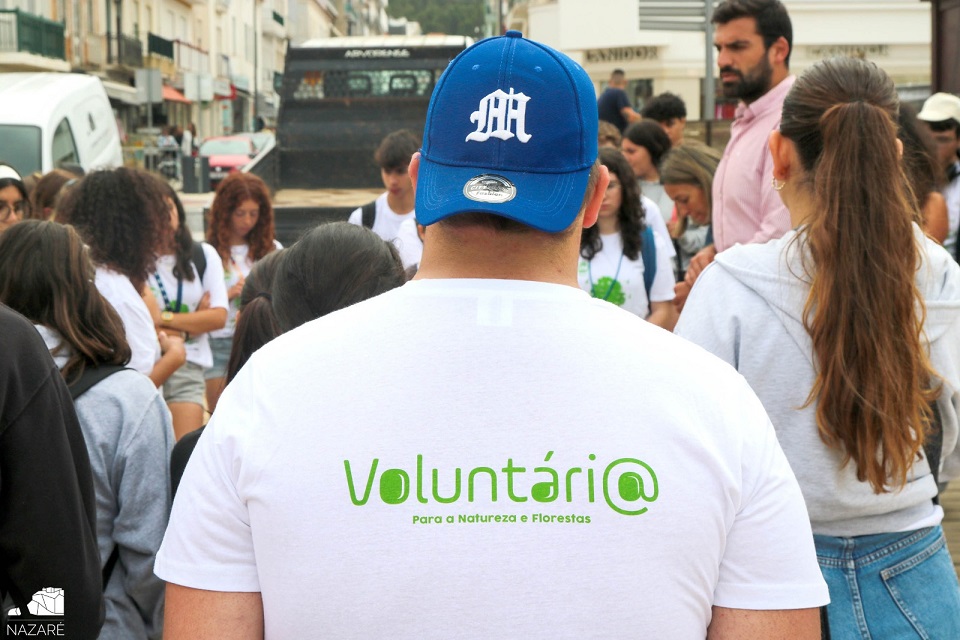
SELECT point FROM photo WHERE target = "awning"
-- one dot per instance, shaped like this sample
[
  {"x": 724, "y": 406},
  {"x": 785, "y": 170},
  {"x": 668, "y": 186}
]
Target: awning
[
  {"x": 121, "y": 92},
  {"x": 172, "y": 95}
]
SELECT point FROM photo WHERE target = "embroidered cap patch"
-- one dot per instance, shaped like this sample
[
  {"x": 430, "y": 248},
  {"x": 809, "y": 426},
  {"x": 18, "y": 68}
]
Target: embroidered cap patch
[{"x": 490, "y": 188}]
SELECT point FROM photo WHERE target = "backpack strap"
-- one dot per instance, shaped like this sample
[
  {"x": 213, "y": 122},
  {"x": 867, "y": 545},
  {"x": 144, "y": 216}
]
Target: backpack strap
[
  {"x": 91, "y": 376},
  {"x": 199, "y": 258},
  {"x": 648, "y": 253},
  {"x": 932, "y": 445},
  {"x": 368, "y": 213},
  {"x": 111, "y": 563}
]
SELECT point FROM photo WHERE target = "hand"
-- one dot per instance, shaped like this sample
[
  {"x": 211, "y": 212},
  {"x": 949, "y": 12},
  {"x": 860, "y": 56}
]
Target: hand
[
  {"x": 172, "y": 345},
  {"x": 680, "y": 292},
  {"x": 236, "y": 289},
  {"x": 204, "y": 302},
  {"x": 699, "y": 262}
]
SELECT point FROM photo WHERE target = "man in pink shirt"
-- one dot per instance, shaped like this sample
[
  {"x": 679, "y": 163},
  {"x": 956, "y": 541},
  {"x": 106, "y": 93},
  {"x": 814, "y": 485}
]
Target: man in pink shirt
[{"x": 753, "y": 39}]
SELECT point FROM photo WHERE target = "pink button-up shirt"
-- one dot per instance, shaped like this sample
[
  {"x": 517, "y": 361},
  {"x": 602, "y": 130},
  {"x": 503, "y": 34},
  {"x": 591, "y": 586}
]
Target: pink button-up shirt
[{"x": 745, "y": 206}]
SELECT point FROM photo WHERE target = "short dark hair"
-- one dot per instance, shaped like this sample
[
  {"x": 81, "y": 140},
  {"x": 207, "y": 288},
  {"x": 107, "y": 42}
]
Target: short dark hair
[
  {"x": 945, "y": 125},
  {"x": 651, "y": 137},
  {"x": 396, "y": 149},
  {"x": 664, "y": 108},
  {"x": 772, "y": 19}
]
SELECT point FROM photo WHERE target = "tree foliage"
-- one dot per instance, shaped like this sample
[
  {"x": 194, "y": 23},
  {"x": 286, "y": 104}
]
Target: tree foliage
[{"x": 452, "y": 17}]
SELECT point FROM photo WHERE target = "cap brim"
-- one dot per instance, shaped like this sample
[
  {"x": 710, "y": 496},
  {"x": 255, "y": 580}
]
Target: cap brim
[{"x": 546, "y": 201}]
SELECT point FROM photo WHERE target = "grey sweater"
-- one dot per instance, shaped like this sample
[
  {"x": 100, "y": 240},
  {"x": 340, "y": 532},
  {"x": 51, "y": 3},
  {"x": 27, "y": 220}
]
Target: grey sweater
[
  {"x": 747, "y": 309},
  {"x": 129, "y": 437}
]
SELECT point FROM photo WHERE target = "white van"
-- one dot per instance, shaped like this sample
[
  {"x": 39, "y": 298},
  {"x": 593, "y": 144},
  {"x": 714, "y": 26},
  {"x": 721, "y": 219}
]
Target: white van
[{"x": 51, "y": 119}]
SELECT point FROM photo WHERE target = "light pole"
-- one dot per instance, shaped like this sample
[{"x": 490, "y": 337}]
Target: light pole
[{"x": 256, "y": 68}]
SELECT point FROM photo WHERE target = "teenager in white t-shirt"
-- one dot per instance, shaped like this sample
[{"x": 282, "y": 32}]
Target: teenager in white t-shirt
[
  {"x": 543, "y": 472},
  {"x": 192, "y": 305},
  {"x": 120, "y": 213},
  {"x": 394, "y": 205},
  {"x": 241, "y": 230},
  {"x": 611, "y": 265}
]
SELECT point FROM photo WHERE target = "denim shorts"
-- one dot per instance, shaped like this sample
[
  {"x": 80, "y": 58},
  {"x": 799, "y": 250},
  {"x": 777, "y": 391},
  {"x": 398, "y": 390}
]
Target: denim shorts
[
  {"x": 221, "y": 355},
  {"x": 185, "y": 384},
  {"x": 890, "y": 585}
]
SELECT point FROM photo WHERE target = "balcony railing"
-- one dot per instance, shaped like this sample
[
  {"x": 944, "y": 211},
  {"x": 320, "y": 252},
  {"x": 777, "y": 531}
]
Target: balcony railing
[
  {"x": 129, "y": 53},
  {"x": 160, "y": 46},
  {"x": 191, "y": 58},
  {"x": 27, "y": 33}
]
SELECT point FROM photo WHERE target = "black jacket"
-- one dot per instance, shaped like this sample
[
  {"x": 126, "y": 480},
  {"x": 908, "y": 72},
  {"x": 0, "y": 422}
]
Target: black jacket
[{"x": 47, "y": 509}]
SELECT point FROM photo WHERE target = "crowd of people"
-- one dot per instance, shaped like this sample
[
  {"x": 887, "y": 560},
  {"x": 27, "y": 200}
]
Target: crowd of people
[{"x": 433, "y": 418}]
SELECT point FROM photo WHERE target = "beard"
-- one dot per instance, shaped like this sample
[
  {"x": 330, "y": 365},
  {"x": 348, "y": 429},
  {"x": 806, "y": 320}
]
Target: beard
[{"x": 751, "y": 85}]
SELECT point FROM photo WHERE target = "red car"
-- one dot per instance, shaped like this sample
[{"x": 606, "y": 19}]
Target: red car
[{"x": 227, "y": 154}]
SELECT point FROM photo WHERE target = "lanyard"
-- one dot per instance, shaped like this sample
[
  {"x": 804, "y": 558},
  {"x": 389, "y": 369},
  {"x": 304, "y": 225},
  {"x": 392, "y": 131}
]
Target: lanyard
[
  {"x": 163, "y": 292},
  {"x": 590, "y": 275}
]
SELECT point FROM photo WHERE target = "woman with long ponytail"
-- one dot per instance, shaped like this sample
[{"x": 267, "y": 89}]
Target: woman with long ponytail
[{"x": 847, "y": 328}]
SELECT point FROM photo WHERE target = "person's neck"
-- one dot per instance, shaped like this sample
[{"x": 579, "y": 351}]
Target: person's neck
[
  {"x": 401, "y": 204},
  {"x": 608, "y": 225},
  {"x": 801, "y": 208},
  {"x": 652, "y": 176},
  {"x": 483, "y": 253},
  {"x": 237, "y": 241}
]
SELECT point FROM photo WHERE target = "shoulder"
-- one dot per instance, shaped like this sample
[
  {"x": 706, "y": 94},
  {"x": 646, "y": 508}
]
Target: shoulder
[
  {"x": 276, "y": 244},
  {"x": 209, "y": 252}
]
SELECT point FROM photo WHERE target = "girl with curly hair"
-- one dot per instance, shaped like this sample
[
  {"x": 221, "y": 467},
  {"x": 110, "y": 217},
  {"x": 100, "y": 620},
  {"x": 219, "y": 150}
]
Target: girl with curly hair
[
  {"x": 611, "y": 265},
  {"x": 241, "y": 230},
  {"x": 187, "y": 284},
  {"x": 120, "y": 213}
]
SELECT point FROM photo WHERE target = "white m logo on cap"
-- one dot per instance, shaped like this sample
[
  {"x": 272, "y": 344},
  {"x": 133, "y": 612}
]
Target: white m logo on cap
[{"x": 497, "y": 112}]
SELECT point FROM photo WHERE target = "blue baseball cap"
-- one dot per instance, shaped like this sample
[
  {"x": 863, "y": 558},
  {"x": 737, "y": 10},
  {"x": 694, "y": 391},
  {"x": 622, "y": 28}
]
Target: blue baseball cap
[{"x": 511, "y": 130}]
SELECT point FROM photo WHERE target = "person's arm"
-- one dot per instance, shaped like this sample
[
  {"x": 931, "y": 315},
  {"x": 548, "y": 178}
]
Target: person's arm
[
  {"x": 174, "y": 355},
  {"x": 195, "y": 614},
  {"x": 936, "y": 220},
  {"x": 663, "y": 314},
  {"x": 744, "y": 624},
  {"x": 197, "y": 322},
  {"x": 630, "y": 115},
  {"x": 143, "y": 496}
]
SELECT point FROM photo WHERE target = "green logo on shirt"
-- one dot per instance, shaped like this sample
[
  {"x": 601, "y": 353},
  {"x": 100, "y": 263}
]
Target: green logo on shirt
[
  {"x": 626, "y": 484},
  {"x": 610, "y": 290}
]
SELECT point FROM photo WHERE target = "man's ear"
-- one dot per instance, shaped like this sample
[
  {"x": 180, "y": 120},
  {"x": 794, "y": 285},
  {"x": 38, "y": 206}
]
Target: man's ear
[
  {"x": 413, "y": 169},
  {"x": 784, "y": 155},
  {"x": 779, "y": 51},
  {"x": 592, "y": 209}
]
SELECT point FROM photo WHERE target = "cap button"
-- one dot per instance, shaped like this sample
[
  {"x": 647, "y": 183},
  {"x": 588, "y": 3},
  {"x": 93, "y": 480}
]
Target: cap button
[{"x": 512, "y": 33}]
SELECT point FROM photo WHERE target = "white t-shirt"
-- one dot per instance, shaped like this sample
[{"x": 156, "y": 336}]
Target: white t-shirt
[
  {"x": 386, "y": 224},
  {"x": 240, "y": 265},
  {"x": 197, "y": 346},
  {"x": 408, "y": 243},
  {"x": 656, "y": 192},
  {"x": 137, "y": 322},
  {"x": 654, "y": 218},
  {"x": 514, "y": 488},
  {"x": 613, "y": 277}
]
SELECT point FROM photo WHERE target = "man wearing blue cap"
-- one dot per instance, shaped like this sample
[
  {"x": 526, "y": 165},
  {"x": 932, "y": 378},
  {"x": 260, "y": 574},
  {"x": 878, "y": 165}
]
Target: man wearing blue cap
[{"x": 543, "y": 473}]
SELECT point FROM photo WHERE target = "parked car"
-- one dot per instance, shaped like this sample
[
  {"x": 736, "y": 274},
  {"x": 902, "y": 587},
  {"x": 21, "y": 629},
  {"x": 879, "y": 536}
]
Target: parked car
[
  {"x": 50, "y": 120},
  {"x": 227, "y": 154}
]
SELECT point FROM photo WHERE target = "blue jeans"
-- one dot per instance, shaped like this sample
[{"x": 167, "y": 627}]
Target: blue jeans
[{"x": 890, "y": 585}]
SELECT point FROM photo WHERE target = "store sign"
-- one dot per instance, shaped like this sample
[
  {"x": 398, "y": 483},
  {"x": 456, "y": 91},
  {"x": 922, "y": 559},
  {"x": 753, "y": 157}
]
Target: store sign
[
  {"x": 862, "y": 51},
  {"x": 622, "y": 54}
]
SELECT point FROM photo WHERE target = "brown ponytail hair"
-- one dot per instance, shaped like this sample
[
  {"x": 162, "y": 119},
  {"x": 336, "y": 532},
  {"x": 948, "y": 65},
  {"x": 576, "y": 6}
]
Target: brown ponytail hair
[{"x": 864, "y": 312}]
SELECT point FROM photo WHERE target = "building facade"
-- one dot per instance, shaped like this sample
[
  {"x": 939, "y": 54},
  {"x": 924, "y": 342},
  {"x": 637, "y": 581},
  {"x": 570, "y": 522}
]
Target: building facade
[{"x": 895, "y": 34}]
